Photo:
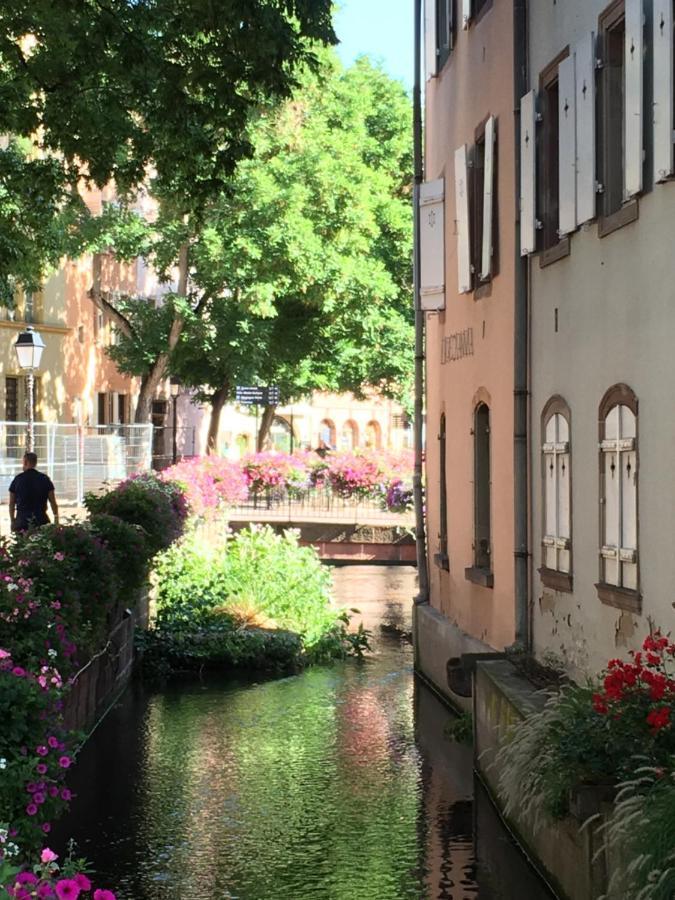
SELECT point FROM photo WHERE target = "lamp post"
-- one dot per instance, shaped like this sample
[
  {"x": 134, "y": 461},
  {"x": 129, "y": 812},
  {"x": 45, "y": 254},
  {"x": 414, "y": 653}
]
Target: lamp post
[
  {"x": 175, "y": 386},
  {"x": 29, "y": 346}
]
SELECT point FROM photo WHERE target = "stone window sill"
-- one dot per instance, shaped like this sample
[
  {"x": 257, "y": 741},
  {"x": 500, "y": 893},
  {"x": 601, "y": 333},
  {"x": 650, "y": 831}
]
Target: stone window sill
[
  {"x": 478, "y": 575},
  {"x": 620, "y": 598},
  {"x": 553, "y": 254},
  {"x": 557, "y": 581},
  {"x": 483, "y": 290},
  {"x": 628, "y": 213}
]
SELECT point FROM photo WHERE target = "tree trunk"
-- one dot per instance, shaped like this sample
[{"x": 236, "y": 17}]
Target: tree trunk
[
  {"x": 265, "y": 425},
  {"x": 218, "y": 401},
  {"x": 151, "y": 381}
]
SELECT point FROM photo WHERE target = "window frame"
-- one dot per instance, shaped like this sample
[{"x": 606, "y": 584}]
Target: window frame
[
  {"x": 627, "y": 211},
  {"x": 482, "y": 287},
  {"x": 446, "y": 20},
  {"x": 556, "y": 578},
  {"x": 629, "y": 599},
  {"x": 442, "y": 558},
  {"x": 479, "y": 572}
]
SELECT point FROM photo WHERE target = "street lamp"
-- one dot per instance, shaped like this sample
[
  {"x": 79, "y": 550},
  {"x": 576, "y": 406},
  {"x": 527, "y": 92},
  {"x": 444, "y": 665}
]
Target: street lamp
[
  {"x": 29, "y": 346},
  {"x": 175, "y": 386}
]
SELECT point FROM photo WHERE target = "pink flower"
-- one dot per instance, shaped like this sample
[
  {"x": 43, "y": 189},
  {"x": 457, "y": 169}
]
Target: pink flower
[
  {"x": 41, "y": 750},
  {"x": 83, "y": 882},
  {"x": 46, "y": 827},
  {"x": 27, "y": 878},
  {"x": 67, "y": 889},
  {"x": 53, "y": 742},
  {"x": 104, "y": 895},
  {"x": 39, "y": 798},
  {"x": 31, "y": 809},
  {"x": 19, "y": 672},
  {"x": 41, "y": 769},
  {"x": 65, "y": 794},
  {"x": 64, "y": 762},
  {"x": 48, "y": 856},
  {"x": 44, "y": 892},
  {"x": 59, "y": 557},
  {"x": 5, "y": 654}
]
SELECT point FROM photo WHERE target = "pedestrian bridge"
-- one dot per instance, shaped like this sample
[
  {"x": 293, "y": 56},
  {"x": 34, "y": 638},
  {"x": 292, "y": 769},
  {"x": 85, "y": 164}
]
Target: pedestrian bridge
[{"x": 355, "y": 535}]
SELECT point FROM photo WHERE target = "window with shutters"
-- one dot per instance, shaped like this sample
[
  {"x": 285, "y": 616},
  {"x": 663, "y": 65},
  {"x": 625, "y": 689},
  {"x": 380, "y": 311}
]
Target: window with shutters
[
  {"x": 122, "y": 408},
  {"x": 476, "y": 210},
  {"x": 481, "y": 571},
  {"x": 102, "y": 410},
  {"x": 663, "y": 88},
  {"x": 11, "y": 398},
  {"x": 445, "y": 30},
  {"x": 619, "y": 114},
  {"x": 556, "y": 550},
  {"x": 441, "y": 559},
  {"x": 473, "y": 10},
  {"x": 619, "y": 567}
]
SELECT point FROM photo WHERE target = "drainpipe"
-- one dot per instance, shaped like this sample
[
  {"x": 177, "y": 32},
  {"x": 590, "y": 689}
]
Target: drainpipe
[
  {"x": 418, "y": 488},
  {"x": 521, "y": 346}
]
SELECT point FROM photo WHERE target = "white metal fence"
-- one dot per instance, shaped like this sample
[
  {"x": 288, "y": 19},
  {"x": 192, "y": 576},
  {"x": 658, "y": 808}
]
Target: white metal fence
[{"x": 77, "y": 458}]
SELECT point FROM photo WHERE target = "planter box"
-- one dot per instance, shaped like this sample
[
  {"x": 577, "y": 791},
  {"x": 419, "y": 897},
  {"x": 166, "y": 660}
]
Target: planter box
[{"x": 567, "y": 856}]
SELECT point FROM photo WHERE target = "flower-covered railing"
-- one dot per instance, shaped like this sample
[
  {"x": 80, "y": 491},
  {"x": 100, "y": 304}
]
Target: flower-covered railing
[{"x": 62, "y": 590}]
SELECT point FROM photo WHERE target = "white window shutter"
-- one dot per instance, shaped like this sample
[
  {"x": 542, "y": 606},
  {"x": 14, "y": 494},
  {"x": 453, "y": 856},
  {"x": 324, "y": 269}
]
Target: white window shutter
[
  {"x": 467, "y": 12},
  {"x": 633, "y": 144},
  {"x": 567, "y": 153},
  {"x": 488, "y": 198},
  {"x": 462, "y": 214},
  {"x": 663, "y": 89},
  {"x": 585, "y": 108},
  {"x": 528, "y": 174},
  {"x": 432, "y": 245},
  {"x": 430, "y": 39}
]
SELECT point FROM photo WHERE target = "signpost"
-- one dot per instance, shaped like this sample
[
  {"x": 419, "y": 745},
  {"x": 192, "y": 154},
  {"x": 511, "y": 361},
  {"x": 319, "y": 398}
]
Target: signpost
[{"x": 258, "y": 396}]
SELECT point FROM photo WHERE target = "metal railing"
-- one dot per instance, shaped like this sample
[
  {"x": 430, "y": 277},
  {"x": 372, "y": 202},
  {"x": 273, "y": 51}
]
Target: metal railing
[
  {"x": 77, "y": 458},
  {"x": 164, "y": 443},
  {"x": 313, "y": 505}
]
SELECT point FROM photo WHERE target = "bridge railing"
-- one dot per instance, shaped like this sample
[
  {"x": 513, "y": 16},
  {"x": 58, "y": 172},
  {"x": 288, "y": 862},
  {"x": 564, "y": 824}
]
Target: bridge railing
[{"x": 315, "y": 504}]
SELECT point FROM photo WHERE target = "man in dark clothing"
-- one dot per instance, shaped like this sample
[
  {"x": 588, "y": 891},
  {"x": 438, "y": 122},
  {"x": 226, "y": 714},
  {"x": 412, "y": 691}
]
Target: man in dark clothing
[{"x": 28, "y": 496}]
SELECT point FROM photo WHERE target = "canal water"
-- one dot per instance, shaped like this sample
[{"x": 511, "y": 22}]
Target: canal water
[{"x": 336, "y": 784}]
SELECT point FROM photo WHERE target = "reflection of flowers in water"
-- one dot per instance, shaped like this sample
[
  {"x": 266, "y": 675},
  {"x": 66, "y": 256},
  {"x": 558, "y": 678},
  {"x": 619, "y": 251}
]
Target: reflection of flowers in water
[{"x": 364, "y": 729}]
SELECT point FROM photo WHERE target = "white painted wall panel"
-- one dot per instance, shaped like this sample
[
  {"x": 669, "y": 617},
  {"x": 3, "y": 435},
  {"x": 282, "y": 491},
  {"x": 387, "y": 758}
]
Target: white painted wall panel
[
  {"x": 488, "y": 198},
  {"x": 663, "y": 89},
  {"x": 584, "y": 58},
  {"x": 567, "y": 147},
  {"x": 430, "y": 40},
  {"x": 462, "y": 213},
  {"x": 528, "y": 174},
  {"x": 432, "y": 245},
  {"x": 633, "y": 143}
]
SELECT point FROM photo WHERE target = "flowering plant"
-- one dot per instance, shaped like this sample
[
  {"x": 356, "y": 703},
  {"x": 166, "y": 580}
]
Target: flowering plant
[
  {"x": 275, "y": 471},
  {"x": 209, "y": 482},
  {"x": 399, "y": 497},
  {"x": 49, "y": 881}
]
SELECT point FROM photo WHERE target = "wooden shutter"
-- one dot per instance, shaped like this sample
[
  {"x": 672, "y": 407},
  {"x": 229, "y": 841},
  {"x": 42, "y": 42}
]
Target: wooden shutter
[
  {"x": 432, "y": 245},
  {"x": 528, "y": 174},
  {"x": 663, "y": 89},
  {"x": 462, "y": 214},
  {"x": 611, "y": 511},
  {"x": 467, "y": 12},
  {"x": 430, "y": 38},
  {"x": 567, "y": 162},
  {"x": 633, "y": 99},
  {"x": 585, "y": 110},
  {"x": 488, "y": 198}
]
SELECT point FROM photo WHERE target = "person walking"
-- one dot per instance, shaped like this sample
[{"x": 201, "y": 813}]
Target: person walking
[{"x": 29, "y": 494}]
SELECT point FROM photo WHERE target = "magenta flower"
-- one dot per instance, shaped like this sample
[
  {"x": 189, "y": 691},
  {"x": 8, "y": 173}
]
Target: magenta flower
[
  {"x": 104, "y": 895},
  {"x": 66, "y": 794},
  {"x": 39, "y": 798},
  {"x": 53, "y": 791},
  {"x": 27, "y": 878},
  {"x": 19, "y": 672},
  {"x": 31, "y": 809},
  {"x": 83, "y": 882},
  {"x": 31, "y": 787},
  {"x": 64, "y": 762},
  {"x": 53, "y": 742},
  {"x": 41, "y": 769},
  {"x": 44, "y": 892},
  {"x": 41, "y": 750},
  {"x": 67, "y": 889},
  {"x": 46, "y": 827}
]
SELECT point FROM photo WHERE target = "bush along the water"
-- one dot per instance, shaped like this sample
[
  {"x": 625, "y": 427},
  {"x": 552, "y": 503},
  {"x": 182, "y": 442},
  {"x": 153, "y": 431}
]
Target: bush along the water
[
  {"x": 594, "y": 734},
  {"x": 47, "y": 880},
  {"x": 61, "y": 588},
  {"x": 262, "y": 601}
]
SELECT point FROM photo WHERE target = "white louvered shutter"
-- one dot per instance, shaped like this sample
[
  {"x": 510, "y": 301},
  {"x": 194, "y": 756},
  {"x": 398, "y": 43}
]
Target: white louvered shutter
[
  {"x": 432, "y": 245},
  {"x": 467, "y": 12},
  {"x": 633, "y": 98},
  {"x": 557, "y": 525},
  {"x": 430, "y": 39},
  {"x": 567, "y": 152},
  {"x": 488, "y": 198},
  {"x": 663, "y": 89},
  {"x": 585, "y": 109},
  {"x": 462, "y": 214},
  {"x": 528, "y": 174}
]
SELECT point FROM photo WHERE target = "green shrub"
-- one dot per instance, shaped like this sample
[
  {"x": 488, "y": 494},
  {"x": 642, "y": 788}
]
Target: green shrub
[
  {"x": 128, "y": 546},
  {"x": 158, "y": 507}
]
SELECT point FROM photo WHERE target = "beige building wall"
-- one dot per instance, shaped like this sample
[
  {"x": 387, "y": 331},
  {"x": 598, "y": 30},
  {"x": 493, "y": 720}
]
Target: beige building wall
[{"x": 476, "y": 82}]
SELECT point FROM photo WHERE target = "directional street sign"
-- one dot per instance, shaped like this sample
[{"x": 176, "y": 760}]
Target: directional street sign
[{"x": 257, "y": 396}]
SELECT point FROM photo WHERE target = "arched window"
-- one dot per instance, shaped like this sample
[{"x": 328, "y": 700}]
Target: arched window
[
  {"x": 327, "y": 434},
  {"x": 482, "y": 489},
  {"x": 556, "y": 551},
  {"x": 373, "y": 435},
  {"x": 349, "y": 439},
  {"x": 442, "y": 559},
  {"x": 618, "y": 436}
]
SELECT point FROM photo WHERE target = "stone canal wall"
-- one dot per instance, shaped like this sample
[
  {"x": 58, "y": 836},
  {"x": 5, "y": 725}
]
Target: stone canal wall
[{"x": 569, "y": 857}]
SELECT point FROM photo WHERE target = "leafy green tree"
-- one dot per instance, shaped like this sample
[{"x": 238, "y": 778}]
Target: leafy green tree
[
  {"x": 305, "y": 259},
  {"x": 115, "y": 90}
]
